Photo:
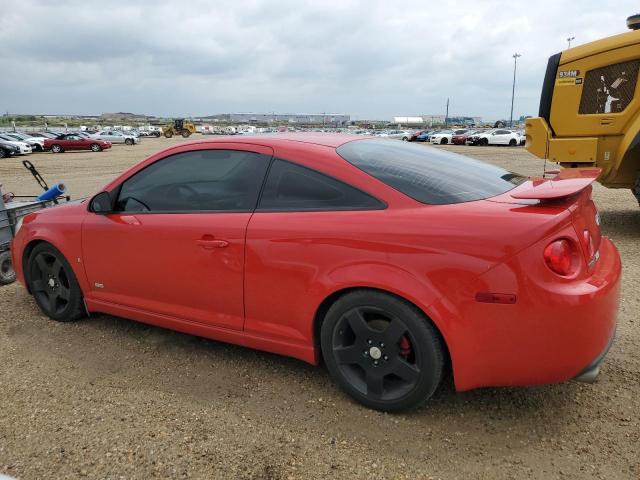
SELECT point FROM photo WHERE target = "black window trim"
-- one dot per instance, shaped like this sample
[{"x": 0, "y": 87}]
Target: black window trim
[
  {"x": 118, "y": 188},
  {"x": 382, "y": 204}
]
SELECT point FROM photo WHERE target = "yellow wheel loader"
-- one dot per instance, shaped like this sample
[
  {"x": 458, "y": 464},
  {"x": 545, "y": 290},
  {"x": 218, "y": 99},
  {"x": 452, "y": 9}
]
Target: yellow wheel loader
[
  {"x": 179, "y": 127},
  {"x": 590, "y": 109}
]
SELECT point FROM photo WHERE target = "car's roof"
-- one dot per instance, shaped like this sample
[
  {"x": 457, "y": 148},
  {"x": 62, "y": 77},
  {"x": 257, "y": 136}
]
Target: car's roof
[{"x": 333, "y": 140}]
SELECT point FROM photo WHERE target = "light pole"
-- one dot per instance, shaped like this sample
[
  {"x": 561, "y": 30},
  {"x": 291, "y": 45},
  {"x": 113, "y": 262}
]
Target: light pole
[
  {"x": 513, "y": 88},
  {"x": 569, "y": 41}
]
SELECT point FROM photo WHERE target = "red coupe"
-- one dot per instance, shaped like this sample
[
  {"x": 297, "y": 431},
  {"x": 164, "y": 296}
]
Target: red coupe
[
  {"x": 72, "y": 141},
  {"x": 388, "y": 260}
]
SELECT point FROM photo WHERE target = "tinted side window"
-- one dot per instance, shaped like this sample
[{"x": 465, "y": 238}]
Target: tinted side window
[
  {"x": 291, "y": 187},
  {"x": 201, "y": 180}
]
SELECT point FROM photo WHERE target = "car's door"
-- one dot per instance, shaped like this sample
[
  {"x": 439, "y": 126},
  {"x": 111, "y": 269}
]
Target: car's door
[
  {"x": 293, "y": 229},
  {"x": 71, "y": 142},
  {"x": 175, "y": 243}
]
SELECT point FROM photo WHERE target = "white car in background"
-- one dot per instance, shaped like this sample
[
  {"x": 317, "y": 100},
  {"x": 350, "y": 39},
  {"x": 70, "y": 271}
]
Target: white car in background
[
  {"x": 499, "y": 137},
  {"x": 25, "y": 148},
  {"x": 396, "y": 134},
  {"x": 443, "y": 137},
  {"x": 37, "y": 143},
  {"x": 115, "y": 136}
]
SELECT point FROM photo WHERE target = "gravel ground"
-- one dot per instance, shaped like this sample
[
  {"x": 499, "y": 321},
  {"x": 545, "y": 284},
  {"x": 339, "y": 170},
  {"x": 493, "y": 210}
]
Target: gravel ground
[{"x": 111, "y": 398}]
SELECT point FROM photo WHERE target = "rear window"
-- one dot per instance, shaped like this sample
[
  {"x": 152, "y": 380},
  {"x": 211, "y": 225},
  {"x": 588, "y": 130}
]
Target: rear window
[{"x": 428, "y": 175}]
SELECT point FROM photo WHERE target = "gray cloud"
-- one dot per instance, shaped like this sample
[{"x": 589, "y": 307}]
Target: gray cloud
[{"x": 370, "y": 59}]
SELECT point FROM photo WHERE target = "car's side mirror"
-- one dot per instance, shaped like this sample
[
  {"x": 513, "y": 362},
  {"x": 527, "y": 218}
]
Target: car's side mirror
[{"x": 101, "y": 204}]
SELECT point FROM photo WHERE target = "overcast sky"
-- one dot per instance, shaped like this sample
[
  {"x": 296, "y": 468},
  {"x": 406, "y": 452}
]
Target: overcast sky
[{"x": 370, "y": 59}]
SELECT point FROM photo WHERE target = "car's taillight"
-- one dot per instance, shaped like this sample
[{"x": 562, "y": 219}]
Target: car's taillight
[{"x": 560, "y": 257}]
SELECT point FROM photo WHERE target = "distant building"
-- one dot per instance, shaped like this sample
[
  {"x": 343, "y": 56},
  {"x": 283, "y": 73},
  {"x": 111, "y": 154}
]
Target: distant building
[{"x": 295, "y": 118}]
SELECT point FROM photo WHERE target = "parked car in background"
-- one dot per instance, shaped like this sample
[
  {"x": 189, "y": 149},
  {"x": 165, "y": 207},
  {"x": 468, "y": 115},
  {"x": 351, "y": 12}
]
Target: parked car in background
[
  {"x": 461, "y": 138},
  {"x": 115, "y": 136},
  {"x": 8, "y": 150},
  {"x": 523, "y": 137},
  {"x": 413, "y": 137},
  {"x": 425, "y": 136},
  {"x": 444, "y": 136},
  {"x": 497, "y": 137},
  {"x": 37, "y": 143},
  {"x": 73, "y": 141},
  {"x": 44, "y": 134},
  {"x": 24, "y": 147}
]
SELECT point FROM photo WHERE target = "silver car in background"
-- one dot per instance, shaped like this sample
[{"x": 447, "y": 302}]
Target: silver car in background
[{"x": 115, "y": 136}]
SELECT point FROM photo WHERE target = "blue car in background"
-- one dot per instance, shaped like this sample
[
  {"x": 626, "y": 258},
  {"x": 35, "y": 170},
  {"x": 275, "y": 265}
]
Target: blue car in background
[{"x": 425, "y": 136}]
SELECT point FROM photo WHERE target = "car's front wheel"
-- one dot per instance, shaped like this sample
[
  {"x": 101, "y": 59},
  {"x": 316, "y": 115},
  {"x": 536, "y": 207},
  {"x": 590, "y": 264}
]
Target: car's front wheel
[
  {"x": 129, "y": 141},
  {"x": 444, "y": 141},
  {"x": 484, "y": 142},
  {"x": 3, "y": 153},
  {"x": 95, "y": 147},
  {"x": 53, "y": 284},
  {"x": 56, "y": 148},
  {"x": 513, "y": 142},
  {"x": 382, "y": 350}
]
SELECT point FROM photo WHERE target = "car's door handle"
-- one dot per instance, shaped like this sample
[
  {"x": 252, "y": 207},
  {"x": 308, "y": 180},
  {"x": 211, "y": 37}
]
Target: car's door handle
[{"x": 210, "y": 244}]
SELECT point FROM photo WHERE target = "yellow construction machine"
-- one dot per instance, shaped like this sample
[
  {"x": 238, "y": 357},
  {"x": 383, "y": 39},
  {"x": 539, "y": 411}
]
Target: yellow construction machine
[
  {"x": 590, "y": 109},
  {"x": 179, "y": 127}
]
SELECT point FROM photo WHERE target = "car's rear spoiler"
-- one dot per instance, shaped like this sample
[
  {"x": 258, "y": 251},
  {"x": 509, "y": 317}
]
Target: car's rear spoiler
[{"x": 566, "y": 183}]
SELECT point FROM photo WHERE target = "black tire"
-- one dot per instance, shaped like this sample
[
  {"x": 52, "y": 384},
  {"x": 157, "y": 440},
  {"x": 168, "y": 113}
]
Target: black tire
[
  {"x": 382, "y": 350},
  {"x": 405, "y": 139},
  {"x": 185, "y": 133},
  {"x": 53, "y": 284},
  {"x": 484, "y": 142},
  {"x": 55, "y": 148},
  {"x": 128, "y": 141},
  {"x": 513, "y": 142},
  {"x": 168, "y": 134},
  {"x": 444, "y": 141},
  {"x": 7, "y": 274},
  {"x": 3, "y": 153},
  {"x": 95, "y": 147}
]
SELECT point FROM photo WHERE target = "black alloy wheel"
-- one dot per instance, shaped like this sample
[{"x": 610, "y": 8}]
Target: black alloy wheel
[
  {"x": 53, "y": 284},
  {"x": 382, "y": 350}
]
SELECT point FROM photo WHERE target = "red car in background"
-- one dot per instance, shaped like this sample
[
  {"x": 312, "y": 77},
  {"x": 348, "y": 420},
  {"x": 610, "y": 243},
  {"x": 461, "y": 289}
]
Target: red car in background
[
  {"x": 461, "y": 139},
  {"x": 415, "y": 135},
  {"x": 388, "y": 260},
  {"x": 72, "y": 141}
]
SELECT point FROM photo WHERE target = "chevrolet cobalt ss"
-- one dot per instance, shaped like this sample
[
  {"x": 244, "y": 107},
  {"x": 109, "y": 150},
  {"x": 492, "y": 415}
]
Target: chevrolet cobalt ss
[{"x": 392, "y": 262}]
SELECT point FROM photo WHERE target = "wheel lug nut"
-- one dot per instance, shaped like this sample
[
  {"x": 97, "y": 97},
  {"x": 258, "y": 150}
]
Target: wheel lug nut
[
  {"x": 369, "y": 342},
  {"x": 375, "y": 362},
  {"x": 381, "y": 344},
  {"x": 386, "y": 358},
  {"x": 366, "y": 353}
]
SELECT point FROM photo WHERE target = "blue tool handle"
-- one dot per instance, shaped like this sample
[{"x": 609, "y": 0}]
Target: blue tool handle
[{"x": 53, "y": 192}]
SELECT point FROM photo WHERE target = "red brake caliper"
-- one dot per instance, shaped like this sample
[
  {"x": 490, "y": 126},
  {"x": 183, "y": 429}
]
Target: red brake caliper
[{"x": 405, "y": 347}]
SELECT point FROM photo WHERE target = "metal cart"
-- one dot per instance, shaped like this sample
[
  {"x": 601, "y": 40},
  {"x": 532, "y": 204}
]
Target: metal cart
[{"x": 11, "y": 214}]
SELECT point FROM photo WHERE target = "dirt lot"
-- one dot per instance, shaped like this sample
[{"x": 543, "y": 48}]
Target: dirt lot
[{"x": 110, "y": 398}]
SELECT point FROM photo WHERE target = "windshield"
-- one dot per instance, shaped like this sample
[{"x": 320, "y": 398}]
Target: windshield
[{"x": 428, "y": 175}]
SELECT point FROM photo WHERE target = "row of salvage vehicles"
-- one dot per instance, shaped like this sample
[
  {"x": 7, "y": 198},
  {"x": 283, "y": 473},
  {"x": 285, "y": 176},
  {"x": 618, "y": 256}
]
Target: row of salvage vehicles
[{"x": 590, "y": 109}]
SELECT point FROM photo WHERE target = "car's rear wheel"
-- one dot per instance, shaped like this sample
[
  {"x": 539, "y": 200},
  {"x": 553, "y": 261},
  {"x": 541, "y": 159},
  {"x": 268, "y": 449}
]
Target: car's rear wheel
[
  {"x": 382, "y": 350},
  {"x": 7, "y": 274},
  {"x": 513, "y": 142},
  {"x": 129, "y": 141},
  {"x": 484, "y": 142},
  {"x": 405, "y": 139},
  {"x": 95, "y": 147},
  {"x": 3, "y": 153},
  {"x": 53, "y": 284},
  {"x": 56, "y": 148}
]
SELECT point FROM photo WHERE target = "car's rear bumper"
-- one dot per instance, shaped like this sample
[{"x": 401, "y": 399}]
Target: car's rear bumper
[
  {"x": 591, "y": 371},
  {"x": 556, "y": 330}
]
